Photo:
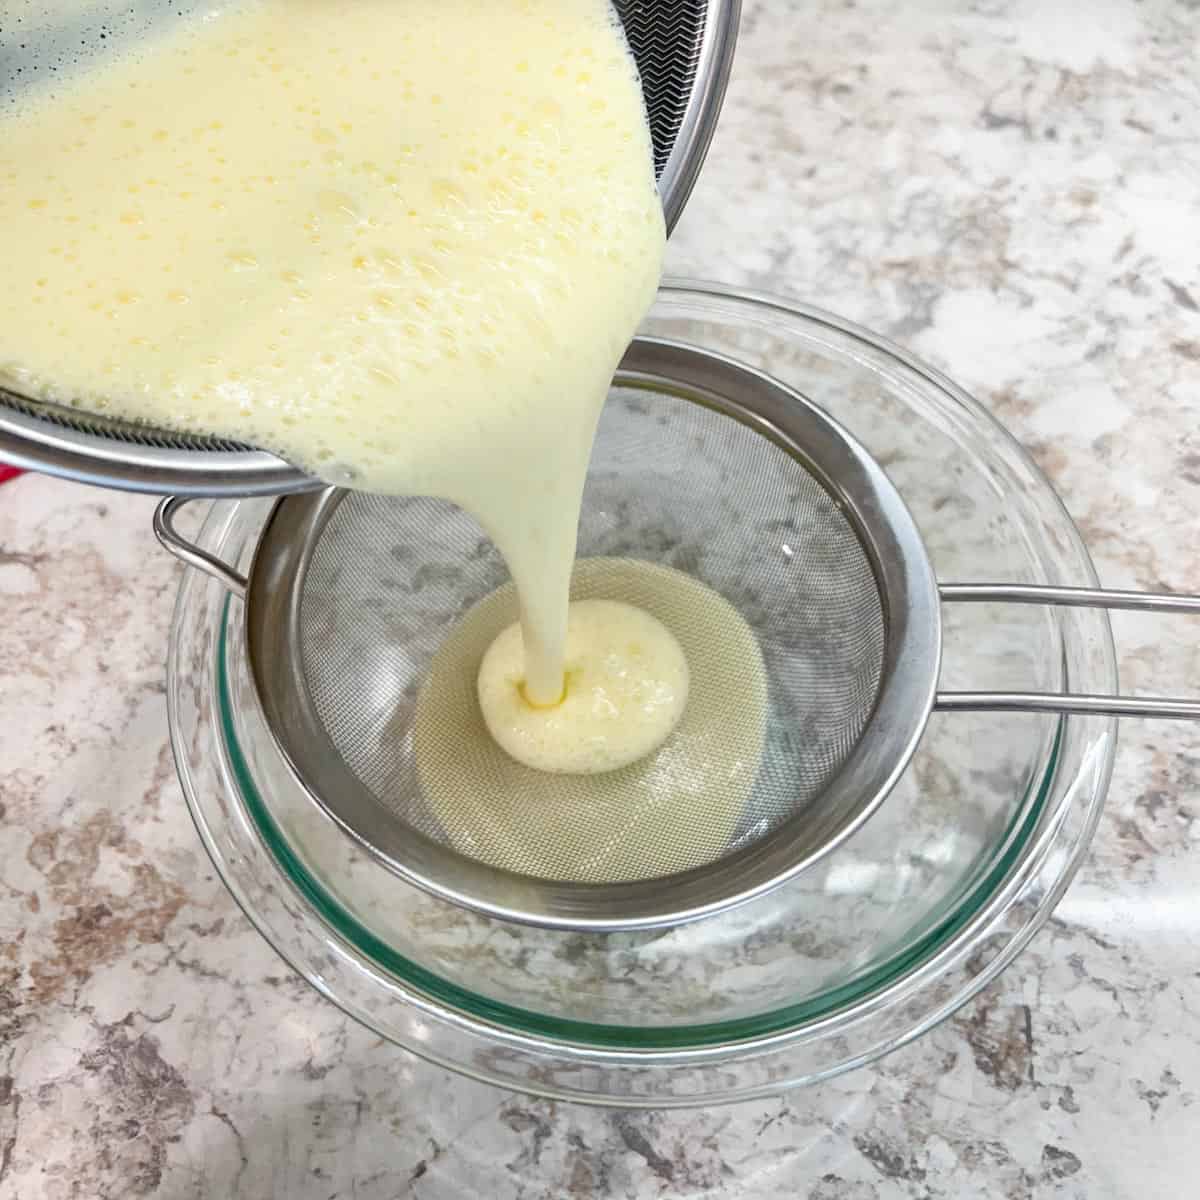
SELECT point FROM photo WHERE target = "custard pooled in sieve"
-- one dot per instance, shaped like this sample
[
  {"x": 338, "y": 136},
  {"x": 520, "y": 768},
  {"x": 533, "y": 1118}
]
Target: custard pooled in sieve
[
  {"x": 624, "y": 690},
  {"x": 678, "y": 807}
]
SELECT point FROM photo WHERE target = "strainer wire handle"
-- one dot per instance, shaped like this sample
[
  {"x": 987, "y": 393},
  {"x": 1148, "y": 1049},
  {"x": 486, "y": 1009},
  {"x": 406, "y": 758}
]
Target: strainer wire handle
[
  {"x": 190, "y": 554},
  {"x": 1071, "y": 597},
  {"x": 1114, "y": 706}
]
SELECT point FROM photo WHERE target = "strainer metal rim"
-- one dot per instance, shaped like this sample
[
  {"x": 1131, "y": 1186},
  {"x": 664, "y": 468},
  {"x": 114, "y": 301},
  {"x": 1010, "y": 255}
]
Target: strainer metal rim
[
  {"x": 912, "y": 655},
  {"x": 60, "y": 442}
]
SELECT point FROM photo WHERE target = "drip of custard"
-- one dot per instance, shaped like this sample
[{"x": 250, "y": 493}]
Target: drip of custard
[
  {"x": 679, "y": 807},
  {"x": 402, "y": 243},
  {"x": 624, "y": 689}
]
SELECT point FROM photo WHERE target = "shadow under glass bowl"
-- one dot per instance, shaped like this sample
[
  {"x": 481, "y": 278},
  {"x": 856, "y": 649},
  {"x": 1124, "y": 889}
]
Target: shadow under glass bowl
[{"x": 859, "y": 954}]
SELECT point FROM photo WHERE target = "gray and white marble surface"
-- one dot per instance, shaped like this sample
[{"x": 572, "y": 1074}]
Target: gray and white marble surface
[{"x": 1012, "y": 189}]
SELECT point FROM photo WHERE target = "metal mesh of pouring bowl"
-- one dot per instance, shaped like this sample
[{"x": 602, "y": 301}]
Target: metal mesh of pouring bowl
[
  {"x": 701, "y": 467},
  {"x": 683, "y": 49}
]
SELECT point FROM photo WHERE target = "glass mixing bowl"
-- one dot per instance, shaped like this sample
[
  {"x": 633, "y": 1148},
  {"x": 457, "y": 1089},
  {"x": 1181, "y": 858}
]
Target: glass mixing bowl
[{"x": 861, "y": 953}]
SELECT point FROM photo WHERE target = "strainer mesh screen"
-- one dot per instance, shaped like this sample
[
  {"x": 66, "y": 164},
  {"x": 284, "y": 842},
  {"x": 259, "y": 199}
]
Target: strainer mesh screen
[
  {"x": 666, "y": 38},
  {"x": 674, "y": 484}
]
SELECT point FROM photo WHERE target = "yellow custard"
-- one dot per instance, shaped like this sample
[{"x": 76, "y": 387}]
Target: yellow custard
[
  {"x": 402, "y": 243},
  {"x": 679, "y": 807},
  {"x": 624, "y": 690}
]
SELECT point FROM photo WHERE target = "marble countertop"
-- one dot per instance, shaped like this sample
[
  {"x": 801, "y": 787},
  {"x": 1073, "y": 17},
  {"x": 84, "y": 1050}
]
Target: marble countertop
[{"x": 1010, "y": 188}]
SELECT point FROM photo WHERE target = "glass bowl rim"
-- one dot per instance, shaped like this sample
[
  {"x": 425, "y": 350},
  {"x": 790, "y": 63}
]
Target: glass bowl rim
[{"x": 1022, "y": 862}]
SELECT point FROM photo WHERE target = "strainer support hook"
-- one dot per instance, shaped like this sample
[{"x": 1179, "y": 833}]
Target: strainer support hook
[{"x": 190, "y": 554}]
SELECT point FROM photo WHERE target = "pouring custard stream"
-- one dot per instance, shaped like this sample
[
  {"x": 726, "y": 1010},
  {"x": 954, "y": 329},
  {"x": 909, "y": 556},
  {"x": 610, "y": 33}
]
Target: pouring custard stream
[{"x": 402, "y": 244}]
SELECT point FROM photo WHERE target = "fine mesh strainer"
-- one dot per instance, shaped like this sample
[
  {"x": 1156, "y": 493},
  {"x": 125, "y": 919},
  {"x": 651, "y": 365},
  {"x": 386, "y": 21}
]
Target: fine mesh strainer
[
  {"x": 702, "y": 466},
  {"x": 684, "y": 50}
]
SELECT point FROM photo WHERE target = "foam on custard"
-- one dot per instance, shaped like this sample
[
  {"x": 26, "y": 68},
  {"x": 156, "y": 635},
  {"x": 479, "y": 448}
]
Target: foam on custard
[{"x": 403, "y": 244}]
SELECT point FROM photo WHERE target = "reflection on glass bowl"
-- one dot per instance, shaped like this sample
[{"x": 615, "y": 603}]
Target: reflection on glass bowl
[{"x": 900, "y": 925}]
